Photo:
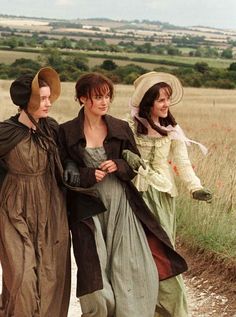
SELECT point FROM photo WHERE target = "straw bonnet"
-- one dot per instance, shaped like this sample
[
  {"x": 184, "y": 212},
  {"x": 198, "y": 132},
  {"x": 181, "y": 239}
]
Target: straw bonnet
[
  {"x": 146, "y": 81},
  {"x": 24, "y": 90}
]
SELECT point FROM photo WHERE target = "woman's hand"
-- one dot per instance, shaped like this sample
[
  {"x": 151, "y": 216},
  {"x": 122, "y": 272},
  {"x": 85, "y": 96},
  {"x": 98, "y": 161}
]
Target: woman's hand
[
  {"x": 105, "y": 167},
  {"x": 71, "y": 174},
  {"x": 133, "y": 160},
  {"x": 202, "y": 194},
  {"x": 99, "y": 175},
  {"x": 108, "y": 166}
]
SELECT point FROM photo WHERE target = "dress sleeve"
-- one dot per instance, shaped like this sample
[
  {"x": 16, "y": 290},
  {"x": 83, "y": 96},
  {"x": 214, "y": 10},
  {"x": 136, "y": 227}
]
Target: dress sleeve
[{"x": 184, "y": 167}]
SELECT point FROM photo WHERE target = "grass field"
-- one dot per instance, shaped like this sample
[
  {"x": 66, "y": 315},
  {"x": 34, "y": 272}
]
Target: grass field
[
  {"x": 207, "y": 116},
  {"x": 7, "y": 57},
  {"x": 149, "y": 61},
  {"x": 212, "y": 62}
]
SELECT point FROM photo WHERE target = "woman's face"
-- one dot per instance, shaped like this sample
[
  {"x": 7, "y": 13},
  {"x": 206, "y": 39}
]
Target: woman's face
[
  {"x": 99, "y": 103},
  {"x": 161, "y": 105},
  {"x": 45, "y": 104}
]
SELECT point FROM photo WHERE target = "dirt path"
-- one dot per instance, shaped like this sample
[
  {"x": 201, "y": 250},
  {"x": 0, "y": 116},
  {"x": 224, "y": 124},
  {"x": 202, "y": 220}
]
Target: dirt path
[
  {"x": 211, "y": 284},
  {"x": 203, "y": 301}
]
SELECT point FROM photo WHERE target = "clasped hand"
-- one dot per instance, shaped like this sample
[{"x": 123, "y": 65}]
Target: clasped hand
[
  {"x": 133, "y": 160},
  {"x": 105, "y": 167},
  {"x": 202, "y": 194},
  {"x": 71, "y": 174}
]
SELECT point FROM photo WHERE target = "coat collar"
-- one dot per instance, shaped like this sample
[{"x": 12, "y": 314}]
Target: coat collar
[{"x": 76, "y": 128}]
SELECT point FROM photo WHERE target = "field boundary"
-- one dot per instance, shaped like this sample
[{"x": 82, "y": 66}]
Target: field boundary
[{"x": 211, "y": 267}]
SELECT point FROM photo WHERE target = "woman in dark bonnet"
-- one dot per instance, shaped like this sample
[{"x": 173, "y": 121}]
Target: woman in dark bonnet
[{"x": 34, "y": 236}]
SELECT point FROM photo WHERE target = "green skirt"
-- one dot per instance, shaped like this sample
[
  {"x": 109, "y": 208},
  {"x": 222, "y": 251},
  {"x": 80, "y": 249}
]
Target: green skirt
[{"x": 172, "y": 300}]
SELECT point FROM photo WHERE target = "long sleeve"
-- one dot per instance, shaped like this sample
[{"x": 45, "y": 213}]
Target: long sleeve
[{"x": 184, "y": 166}]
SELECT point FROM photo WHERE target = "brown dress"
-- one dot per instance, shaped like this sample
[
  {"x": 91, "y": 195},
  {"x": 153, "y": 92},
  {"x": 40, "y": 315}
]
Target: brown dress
[{"x": 34, "y": 237}]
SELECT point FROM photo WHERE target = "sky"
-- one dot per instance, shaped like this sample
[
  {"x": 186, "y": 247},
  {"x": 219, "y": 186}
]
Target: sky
[{"x": 211, "y": 13}]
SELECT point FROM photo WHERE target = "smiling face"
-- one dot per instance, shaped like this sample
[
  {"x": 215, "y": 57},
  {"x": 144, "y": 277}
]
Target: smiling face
[
  {"x": 98, "y": 103},
  {"x": 160, "y": 105},
  {"x": 45, "y": 104}
]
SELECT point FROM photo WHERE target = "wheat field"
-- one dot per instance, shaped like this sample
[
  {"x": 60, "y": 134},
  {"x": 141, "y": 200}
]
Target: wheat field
[{"x": 207, "y": 116}]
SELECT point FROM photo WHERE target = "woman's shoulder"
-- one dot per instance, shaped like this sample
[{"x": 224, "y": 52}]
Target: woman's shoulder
[
  {"x": 118, "y": 128},
  {"x": 116, "y": 124},
  {"x": 11, "y": 124},
  {"x": 69, "y": 123},
  {"x": 114, "y": 120},
  {"x": 52, "y": 122}
]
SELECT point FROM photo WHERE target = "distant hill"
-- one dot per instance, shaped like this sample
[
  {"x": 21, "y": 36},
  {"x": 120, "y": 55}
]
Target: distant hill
[{"x": 140, "y": 31}]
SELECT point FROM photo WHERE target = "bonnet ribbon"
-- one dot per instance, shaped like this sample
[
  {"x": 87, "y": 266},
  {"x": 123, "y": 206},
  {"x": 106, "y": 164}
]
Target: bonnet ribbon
[{"x": 174, "y": 133}]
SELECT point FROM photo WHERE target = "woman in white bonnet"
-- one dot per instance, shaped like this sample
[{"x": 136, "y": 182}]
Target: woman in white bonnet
[{"x": 159, "y": 139}]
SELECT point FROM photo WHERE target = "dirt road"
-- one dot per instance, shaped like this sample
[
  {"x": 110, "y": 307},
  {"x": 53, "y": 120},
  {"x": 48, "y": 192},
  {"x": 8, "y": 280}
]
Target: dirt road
[{"x": 203, "y": 301}]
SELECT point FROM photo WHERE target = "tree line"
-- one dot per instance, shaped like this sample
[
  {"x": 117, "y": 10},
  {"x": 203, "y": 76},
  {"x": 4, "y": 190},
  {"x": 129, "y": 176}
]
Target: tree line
[
  {"x": 198, "y": 45},
  {"x": 71, "y": 66}
]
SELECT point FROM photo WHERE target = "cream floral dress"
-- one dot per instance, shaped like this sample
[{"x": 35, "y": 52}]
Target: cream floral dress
[{"x": 158, "y": 189}]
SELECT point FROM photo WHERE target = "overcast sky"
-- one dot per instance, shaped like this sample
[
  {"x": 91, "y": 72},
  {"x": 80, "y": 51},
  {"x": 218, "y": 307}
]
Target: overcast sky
[{"x": 214, "y": 13}]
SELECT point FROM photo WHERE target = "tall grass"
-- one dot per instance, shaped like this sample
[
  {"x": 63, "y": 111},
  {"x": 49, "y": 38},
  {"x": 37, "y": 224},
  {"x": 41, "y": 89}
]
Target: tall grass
[
  {"x": 207, "y": 116},
  {"x": 210, "y": 118}
]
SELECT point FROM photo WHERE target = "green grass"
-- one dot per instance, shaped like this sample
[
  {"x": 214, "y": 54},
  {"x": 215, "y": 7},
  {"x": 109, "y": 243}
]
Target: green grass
[
  {"x": 212, "y": 62},
  {"x": 148, "y": 61},
  {"x": 94, "y": 61},
  {"x": 207, "y": 227}
]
